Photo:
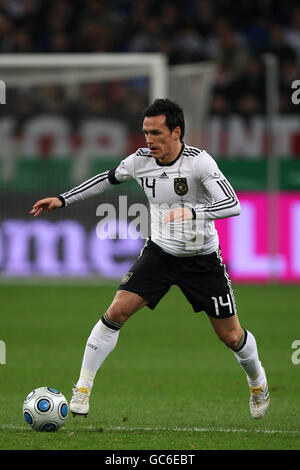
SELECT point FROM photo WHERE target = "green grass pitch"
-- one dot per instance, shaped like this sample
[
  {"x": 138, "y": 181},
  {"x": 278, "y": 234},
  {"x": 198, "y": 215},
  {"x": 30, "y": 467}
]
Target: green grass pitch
[{"x": 169, "y": 384}]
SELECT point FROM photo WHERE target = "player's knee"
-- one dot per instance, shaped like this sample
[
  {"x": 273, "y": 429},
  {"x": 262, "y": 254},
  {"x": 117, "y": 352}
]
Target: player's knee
[
  {"x": 231, "y": 338},
  {"x": 118, "y": 312}
]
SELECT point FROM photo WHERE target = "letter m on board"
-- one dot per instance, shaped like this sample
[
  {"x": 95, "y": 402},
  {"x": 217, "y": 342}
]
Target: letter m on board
[{"x": 2, "y": 92}]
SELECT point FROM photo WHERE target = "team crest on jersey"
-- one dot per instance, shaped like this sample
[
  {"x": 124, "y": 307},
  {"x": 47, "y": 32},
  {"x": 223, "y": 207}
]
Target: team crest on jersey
[
  {"x": 180, "y": 186},
  {"x": 126, "y": 277}
]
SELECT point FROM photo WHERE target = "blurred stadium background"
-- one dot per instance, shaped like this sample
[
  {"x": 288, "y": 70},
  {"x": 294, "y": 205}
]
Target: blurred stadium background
[
  {"x": 231, "y": 68},
  {"x": 78, "y": 74}
]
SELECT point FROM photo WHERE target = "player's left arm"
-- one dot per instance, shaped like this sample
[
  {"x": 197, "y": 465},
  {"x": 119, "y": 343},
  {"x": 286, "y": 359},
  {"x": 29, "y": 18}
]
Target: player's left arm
[{"x": 225, "y": 202}]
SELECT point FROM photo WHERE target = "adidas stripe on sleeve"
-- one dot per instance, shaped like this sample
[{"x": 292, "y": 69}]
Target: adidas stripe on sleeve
[
  {"x": 99, "y": 183},
  {"x": 224, "y": 200},
  {"x": 226, "y": 203},
  {"x": 93, "y": 186}
]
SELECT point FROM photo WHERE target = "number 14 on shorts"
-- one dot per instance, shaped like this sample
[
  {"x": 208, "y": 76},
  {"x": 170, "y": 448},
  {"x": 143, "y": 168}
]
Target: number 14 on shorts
[{"x": 219, "y": 302}]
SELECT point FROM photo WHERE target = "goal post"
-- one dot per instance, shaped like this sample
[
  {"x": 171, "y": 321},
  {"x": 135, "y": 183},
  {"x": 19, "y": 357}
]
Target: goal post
[
  {"x": 35, "y": 77},
  {"x": 39, "y": 77},
  {"x": 271, "y": 65},
  {"x": 104, "y": 66}
]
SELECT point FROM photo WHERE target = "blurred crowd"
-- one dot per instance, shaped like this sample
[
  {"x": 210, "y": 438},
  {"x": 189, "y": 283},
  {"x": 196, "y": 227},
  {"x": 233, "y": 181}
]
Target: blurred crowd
[{"x": 235, "y": 34}]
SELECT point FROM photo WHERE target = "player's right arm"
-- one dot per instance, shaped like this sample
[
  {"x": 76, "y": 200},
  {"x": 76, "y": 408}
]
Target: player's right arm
[
  {"x": 48, "y": 204},
  {"x": 89, "y": 188}
]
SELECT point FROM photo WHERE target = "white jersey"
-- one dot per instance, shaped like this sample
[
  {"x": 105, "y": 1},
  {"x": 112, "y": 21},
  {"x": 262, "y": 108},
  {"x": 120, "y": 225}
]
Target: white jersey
[{"x": 193, "y": 179}]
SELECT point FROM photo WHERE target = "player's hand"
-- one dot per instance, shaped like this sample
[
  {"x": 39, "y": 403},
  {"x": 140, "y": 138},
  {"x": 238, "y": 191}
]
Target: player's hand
[
  {"x": 47, "y": 204},
  {"x": 179, "y": 214}
]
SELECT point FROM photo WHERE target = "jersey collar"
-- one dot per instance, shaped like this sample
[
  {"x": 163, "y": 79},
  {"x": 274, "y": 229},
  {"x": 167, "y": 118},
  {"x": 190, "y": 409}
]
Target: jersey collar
[{"x": 173, "y": 161}]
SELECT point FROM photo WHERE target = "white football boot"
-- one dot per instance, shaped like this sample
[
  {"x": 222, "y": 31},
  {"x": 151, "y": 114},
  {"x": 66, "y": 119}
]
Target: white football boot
[
  {"x": 79, "y": 404},
  {"x": 259, "y": 399}
]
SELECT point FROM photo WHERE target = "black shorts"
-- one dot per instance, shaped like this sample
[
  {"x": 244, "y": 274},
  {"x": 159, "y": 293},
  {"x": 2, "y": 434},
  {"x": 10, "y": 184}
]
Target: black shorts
[{"x": 202, "y": 279}]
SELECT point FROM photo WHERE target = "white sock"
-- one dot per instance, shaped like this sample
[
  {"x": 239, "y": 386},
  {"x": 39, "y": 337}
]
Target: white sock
[
  {"x": 100, "y": 344},
  {"x": 248, "y": 358}
]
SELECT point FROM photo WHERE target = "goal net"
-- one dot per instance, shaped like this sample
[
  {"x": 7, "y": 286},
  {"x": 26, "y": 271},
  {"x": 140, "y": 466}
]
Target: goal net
[
  {"x": 192, "y": 86},
  {"x": 78, "y": 107}
]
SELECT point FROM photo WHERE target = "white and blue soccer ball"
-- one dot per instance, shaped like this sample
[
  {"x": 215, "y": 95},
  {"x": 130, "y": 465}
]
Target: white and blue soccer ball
[{"x": 45, "y": 409}]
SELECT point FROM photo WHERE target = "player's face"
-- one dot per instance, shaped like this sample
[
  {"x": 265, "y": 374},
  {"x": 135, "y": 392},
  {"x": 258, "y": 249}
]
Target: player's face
[{"x": 164, "y": 144}]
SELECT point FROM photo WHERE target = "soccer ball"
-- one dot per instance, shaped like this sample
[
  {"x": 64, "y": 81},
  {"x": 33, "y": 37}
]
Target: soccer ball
[{"x": 45, "y": 409}]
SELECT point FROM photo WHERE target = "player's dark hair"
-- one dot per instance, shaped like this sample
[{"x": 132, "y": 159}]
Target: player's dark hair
[{"x": 172, "y": 111}]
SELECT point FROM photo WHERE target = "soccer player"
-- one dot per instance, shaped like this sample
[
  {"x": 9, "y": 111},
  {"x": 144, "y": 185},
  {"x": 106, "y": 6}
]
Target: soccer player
[{"x": 186, "y": 192}]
